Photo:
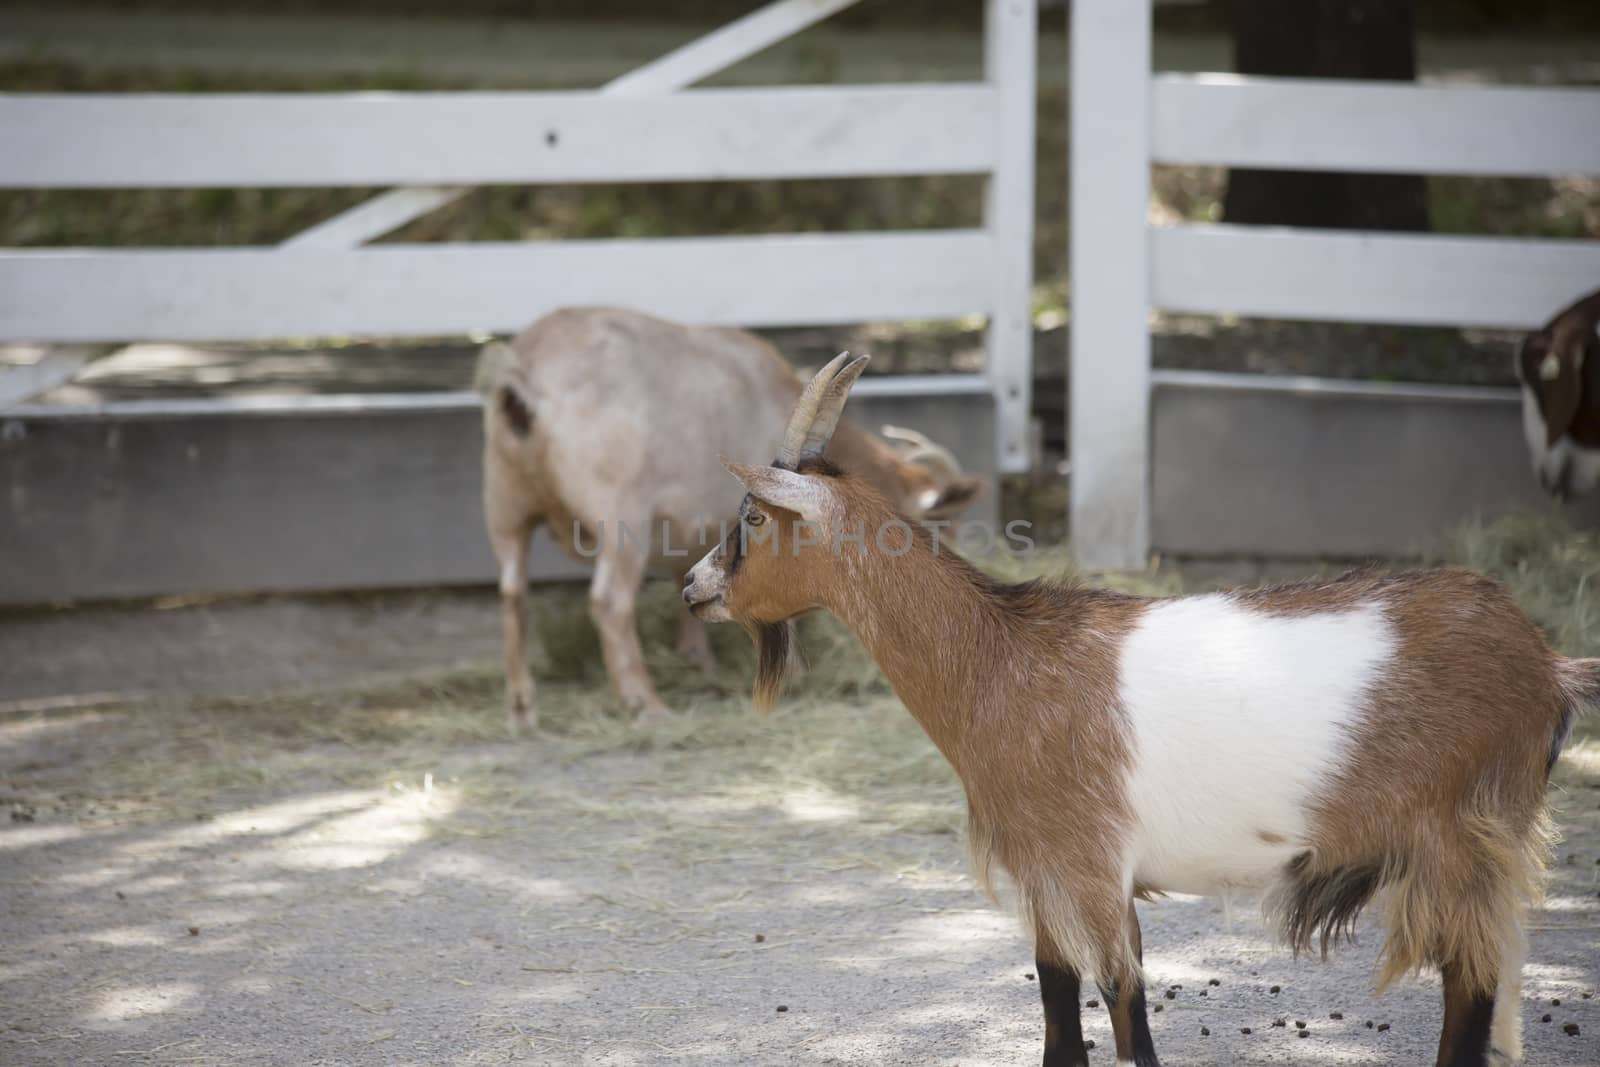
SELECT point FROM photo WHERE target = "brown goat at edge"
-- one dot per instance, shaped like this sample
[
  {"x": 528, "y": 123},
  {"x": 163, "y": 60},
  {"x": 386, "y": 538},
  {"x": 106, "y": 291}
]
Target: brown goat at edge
[
  {"x": 1383, "y": 736},
  {"x": 1560, "y": 370}
]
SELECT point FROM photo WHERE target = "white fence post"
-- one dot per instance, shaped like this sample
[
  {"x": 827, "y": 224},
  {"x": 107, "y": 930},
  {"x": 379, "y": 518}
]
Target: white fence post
[
  {"x": 1110, "y": 373},
  {"x": 1011, "y": 33}
]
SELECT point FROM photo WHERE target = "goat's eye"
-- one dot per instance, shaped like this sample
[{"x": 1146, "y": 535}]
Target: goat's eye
[{"x": 755, "y": 518}]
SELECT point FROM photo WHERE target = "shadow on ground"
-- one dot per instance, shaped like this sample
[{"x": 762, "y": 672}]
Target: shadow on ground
[{"x": 379, "y": 876}]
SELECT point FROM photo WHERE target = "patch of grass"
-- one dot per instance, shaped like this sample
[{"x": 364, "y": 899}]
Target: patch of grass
[{"x": 1552, "y": 568}]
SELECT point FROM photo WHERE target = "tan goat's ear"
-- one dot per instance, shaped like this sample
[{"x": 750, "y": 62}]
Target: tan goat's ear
[{"x": 810, "y": 498}]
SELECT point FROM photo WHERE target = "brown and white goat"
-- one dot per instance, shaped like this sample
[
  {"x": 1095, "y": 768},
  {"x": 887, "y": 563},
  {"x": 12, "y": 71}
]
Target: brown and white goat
[
  {"x": 603, "y": 422},
  {"x": 1560, "y": 370},
  {"x": 1327, "y": 742}
]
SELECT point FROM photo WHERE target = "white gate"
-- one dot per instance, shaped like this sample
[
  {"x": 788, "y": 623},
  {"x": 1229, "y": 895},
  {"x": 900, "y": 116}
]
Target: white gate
[
  {"x": 637, "y": 128},
  {"x": 1124, "y": 119}
]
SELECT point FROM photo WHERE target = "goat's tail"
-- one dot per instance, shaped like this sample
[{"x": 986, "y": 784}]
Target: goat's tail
[
  {"x": 498, "y": 380},
  {"x": 1580, "y": 686},
  {"x": 495, "y": 362},
  {"x": 1580, "y": 680}
]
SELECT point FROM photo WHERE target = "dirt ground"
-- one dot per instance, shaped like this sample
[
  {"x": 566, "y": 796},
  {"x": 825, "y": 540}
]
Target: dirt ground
[{"x": 309, "y": 842}]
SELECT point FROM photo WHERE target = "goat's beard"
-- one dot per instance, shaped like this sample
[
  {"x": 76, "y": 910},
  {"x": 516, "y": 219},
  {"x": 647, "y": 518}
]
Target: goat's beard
[{"x": 772, "y": 661}]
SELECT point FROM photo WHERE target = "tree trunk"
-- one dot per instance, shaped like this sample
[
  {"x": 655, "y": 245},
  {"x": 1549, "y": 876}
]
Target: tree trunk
[{"x": 1372, "y": 39}]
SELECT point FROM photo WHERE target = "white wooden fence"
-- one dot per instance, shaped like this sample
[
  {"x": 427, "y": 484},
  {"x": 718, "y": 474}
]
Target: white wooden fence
[
  {"x": 637, "y": 128},
  {"x": 1124, "y": 119}
]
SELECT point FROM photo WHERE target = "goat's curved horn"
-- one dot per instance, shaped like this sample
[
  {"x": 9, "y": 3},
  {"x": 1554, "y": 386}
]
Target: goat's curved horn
[
  {"x": 904, "y": 435},
  {"x": 920, "y": 448},
  {"x": 817, "y": 412}
]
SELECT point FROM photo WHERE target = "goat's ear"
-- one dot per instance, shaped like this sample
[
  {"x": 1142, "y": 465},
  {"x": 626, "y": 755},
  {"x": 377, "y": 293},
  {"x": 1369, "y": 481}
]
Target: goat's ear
[
  {"x": 951, "y": 499},
  {"x": 810, "y": 498}
]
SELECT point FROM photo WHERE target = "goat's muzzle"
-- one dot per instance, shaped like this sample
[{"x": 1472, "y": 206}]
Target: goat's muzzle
[{"x": 703, "y": 594}]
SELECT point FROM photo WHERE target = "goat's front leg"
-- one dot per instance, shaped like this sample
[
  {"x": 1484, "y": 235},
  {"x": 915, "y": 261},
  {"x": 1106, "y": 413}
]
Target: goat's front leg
[
  {"x": 613, "y": 594},
  {"x": 694, "y": 643},
  {"x": 1063, "y": 1018},
  {"x": 1125, "y": 1000}
]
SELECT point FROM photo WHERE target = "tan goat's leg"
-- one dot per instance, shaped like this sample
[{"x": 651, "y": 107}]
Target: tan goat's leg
[
  {"x": 511, "y": 550},
  {"x": 694, "y": 643},
  {"x": 613, "y": 593}
]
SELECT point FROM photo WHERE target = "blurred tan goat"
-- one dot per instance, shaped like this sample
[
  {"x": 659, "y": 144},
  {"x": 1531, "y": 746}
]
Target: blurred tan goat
[{"x": 604, "y": 424}]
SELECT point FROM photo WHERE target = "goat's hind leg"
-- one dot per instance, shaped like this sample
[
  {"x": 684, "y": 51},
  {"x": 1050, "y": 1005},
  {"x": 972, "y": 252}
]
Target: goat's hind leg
[
  {"x": 1125, "y": 1000},
  {"x": 509, "y": 539},
  {"x": 1468, "y": 1019},
  {"x": 1505, "y": 1035}
]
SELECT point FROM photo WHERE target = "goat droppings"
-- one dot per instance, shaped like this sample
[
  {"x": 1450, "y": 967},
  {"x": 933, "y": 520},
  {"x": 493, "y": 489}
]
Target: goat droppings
[
  {"x": 1571, "y": 1029},
  {"x": 1204, "y": 1032},
  {"x": 1244, "y": 1029}
]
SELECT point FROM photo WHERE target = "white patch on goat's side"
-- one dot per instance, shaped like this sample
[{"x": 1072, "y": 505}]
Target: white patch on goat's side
[{"x": 1238, "y": 719}]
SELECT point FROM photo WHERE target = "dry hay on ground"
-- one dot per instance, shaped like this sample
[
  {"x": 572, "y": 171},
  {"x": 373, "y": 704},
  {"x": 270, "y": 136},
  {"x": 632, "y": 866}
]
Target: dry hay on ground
[{"x": 378, "y": 875}]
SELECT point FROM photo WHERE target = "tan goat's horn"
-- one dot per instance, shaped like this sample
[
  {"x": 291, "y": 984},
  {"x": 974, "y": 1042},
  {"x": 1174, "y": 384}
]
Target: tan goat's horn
[
  {"x": 817, "y": 412},
  {"x": 918, "y": 448}
]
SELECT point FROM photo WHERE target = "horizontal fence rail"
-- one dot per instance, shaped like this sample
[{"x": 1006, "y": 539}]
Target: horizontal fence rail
[
  {"x": 1315, "y": 124},
  {"x": 393, "y": 290},
  {"x": 1420, "y": 280},
  {"x": 318, "y": 139},
  {"x": 244, "y": 494},
  {"x": 1259, "y": 464}
]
